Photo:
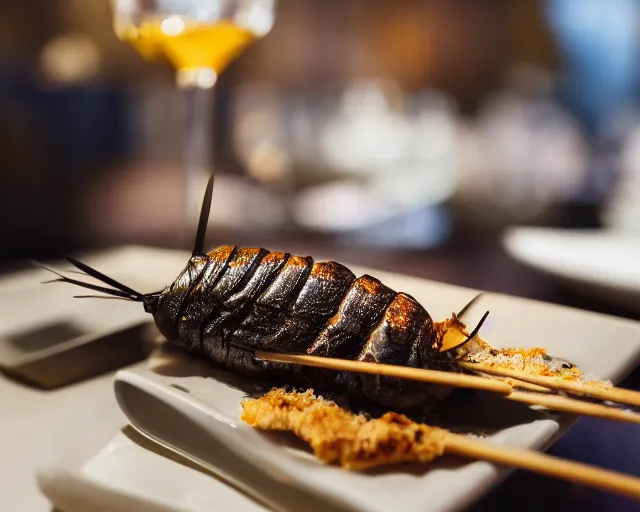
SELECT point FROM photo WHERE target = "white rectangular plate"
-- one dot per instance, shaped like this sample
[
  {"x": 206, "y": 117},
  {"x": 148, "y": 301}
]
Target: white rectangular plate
[{"x": 194, "y": 409}]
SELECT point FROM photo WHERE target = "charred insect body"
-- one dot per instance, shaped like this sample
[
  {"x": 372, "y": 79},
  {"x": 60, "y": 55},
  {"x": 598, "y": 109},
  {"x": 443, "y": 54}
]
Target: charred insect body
[{"x": 230, "y": 302}]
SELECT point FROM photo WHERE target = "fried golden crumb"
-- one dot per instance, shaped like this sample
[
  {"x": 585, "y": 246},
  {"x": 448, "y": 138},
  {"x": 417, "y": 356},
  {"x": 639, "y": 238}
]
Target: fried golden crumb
[
  {"x": 338, "y": 436},
  {"x": 532, "y": 361}
]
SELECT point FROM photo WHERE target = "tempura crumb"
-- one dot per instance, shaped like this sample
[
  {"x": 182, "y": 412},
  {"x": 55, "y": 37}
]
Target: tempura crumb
[
  {"x": 338, "y": 436},
  {"x": 531, "y": 361}
]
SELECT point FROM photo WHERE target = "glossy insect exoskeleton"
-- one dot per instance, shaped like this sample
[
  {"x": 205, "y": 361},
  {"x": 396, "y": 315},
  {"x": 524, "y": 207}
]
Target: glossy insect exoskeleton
[{"x": 230, "y": 302}]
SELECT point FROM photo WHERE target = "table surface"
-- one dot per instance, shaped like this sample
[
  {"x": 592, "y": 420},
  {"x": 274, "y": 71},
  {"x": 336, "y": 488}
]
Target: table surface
[
  {"x": 33, "y": 419},
  {"x": 34, "y": 422}
]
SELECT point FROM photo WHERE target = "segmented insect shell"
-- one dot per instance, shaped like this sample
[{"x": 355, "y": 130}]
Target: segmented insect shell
[
  {"x": 233, "y": 301},
  {"x": 228, "y": 303}
]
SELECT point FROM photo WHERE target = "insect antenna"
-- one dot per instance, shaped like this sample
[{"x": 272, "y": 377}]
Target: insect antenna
[
  {"x": 99, "y": 297},
  {"x": 466, "y": 308},
  {"x": 476, "y": 330},
  {"x": 109, "y": 291},
  {"x": 198, "y": 246},
  {"x": 473, "y": 334},
  {"x": 105, "y": 279}
]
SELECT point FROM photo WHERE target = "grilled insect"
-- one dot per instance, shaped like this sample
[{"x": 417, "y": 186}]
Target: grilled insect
[{"x": 230, "y": 302}]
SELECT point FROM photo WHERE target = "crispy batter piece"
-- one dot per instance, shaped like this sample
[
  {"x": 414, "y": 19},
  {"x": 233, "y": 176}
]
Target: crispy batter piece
[
  {"x": 532, "y": 361},
  {"x": 338, "y": 436}
]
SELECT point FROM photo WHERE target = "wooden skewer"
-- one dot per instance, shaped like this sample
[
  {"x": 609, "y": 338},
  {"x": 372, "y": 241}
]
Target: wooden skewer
[
  {"x": 449, "y": 443},
  {"x": 564, "y": 404},
  {"x": 620, "y": 395},
  {"x": 545, "y": 464},
  {"x": 518, "y": 384},
  {"x": 430, "y": 376},
  {"x": 558, "y": 403},
  {"x": 529, "y": 387}
]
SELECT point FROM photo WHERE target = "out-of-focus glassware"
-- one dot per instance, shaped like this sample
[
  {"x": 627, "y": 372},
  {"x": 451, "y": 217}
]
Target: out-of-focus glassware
[
  {"x": 354, "y": 160},
  {"x": 523, "y": 153},
  {"x": 199, "y": 38}
]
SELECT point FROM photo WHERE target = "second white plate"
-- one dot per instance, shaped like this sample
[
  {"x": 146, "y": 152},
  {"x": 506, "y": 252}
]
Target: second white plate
[{"x": 598, "y": 263}]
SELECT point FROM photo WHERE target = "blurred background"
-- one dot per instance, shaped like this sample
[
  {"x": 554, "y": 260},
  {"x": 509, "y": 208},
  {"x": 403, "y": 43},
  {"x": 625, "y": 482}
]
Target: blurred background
[{"x": 383, "y": 133}]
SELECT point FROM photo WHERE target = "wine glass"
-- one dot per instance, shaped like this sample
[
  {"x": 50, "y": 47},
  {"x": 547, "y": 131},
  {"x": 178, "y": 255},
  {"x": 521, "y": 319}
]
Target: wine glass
[{"x": 199, "y": 39}]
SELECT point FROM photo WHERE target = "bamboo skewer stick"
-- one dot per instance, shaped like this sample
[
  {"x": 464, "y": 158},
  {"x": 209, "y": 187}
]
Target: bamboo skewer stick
[
  {"x": 554, "y": 402},
  {"x": 564, "y": 404},
  {"x": 429, "y": 376},
  {"x": 321, "y": 436},
  {"x": 518, "y": 384},
  {"x": 620, "y": 395},
  {"x": 545, "y": 464},
  {"x": 433, "y": 376}
]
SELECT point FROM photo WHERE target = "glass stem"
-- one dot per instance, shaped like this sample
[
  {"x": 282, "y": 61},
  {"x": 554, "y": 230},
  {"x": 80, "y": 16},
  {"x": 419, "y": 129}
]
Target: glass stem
[{"x": 197, "y": 86}]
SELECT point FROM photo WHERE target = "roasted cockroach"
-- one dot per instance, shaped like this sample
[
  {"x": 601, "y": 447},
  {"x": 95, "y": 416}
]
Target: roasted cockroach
[{"x": 230, "y": 302}]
